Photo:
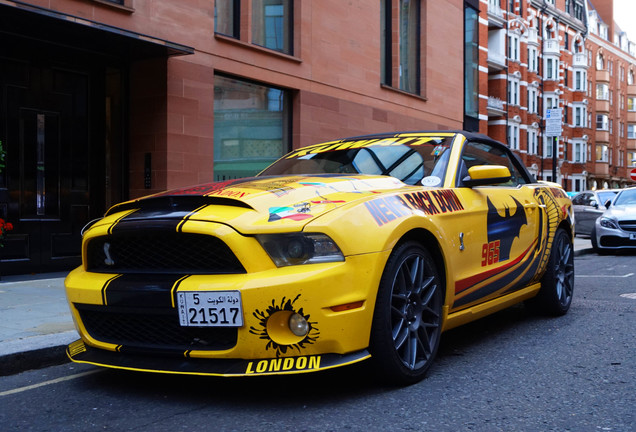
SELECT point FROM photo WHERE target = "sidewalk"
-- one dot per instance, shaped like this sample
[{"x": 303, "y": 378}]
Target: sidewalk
[{"x": 36, "y": 324}]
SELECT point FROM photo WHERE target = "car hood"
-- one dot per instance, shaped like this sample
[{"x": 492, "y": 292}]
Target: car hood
[
  {"x": 621, "y": 212},
  {"x": 258, "y": 204}
]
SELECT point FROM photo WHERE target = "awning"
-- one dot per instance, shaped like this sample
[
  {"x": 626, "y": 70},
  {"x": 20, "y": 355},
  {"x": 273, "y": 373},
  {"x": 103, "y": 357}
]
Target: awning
[{"x": 36, "y": 23}]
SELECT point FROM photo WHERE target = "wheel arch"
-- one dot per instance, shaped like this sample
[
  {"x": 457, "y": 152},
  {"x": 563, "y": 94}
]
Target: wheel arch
[{"x": 430, "y": 243}]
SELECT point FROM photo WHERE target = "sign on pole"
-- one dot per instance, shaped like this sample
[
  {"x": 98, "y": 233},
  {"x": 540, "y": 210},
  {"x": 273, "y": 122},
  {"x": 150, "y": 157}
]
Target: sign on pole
[
  {"x": 632, "y": 174},
  {"x": 553, "y": 123}
]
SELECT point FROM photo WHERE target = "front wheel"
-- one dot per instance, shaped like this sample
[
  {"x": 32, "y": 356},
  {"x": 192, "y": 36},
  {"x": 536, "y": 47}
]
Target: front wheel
[
  {"x": 407, "y": 321},
  {"x": 557, "y": 284}
]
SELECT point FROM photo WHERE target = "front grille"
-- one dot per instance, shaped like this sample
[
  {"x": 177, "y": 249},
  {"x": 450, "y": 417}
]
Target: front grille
[
  {"x": 615, "y": 241},
  {"x": 161, "y": 252},
  {"x": 628, "y": 225},
  {"x": 152, "y": 329}
]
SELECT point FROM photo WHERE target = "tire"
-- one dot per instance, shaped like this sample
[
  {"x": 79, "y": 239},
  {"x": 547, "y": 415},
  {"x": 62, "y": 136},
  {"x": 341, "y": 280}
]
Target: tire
[
  {"x": 594, "y": 240},
  {"x": 407, "y": 320},
  {"x": 557, "y": 284}
]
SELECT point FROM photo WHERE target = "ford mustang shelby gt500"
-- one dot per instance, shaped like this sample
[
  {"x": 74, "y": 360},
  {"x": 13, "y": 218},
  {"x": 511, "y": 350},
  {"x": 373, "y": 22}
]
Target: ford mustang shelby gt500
[{"x": 366, "y": 247}]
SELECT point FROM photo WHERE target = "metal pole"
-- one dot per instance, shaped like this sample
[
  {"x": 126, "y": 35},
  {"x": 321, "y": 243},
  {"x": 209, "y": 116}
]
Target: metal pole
[{"x": 554, "y": 159}]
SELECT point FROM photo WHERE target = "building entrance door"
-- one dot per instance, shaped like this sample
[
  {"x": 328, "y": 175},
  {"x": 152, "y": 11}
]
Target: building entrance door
[{"x": 46, "y": 191}]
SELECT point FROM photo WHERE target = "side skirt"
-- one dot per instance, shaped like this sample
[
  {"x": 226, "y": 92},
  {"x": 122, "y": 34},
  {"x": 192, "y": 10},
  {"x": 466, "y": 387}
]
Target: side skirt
[{"x": 479, "y": 311}]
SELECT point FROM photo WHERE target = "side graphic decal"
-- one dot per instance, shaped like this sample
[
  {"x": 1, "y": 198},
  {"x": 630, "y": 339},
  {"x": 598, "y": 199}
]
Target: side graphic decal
[{"x": 505, "y": 228}]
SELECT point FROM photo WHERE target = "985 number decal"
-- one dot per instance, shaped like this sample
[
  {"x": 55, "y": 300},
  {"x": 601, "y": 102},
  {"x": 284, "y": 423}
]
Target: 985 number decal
[{"x": 490, "y": 253}]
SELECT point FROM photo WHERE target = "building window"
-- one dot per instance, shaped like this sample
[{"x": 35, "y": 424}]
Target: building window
[
  {"x": 600, "y": 62},
  {"x": 406, "y": 39},
  {"x": 631, "y": 130},
  {"x": 551, "y": 68},
  {"x": 532, "y": 141},
  {"x": 513, "y": 136},
  {"x": 631, "y": 159},
  {"x": 471, "y": 68},
  {"x": 272, "y": 22},
  {"x": 602, "y": 122},
  {"x": 251, "y": 127},
  {"x": 550, "y": 103},
  {"x": 533, "y": 63},
  {"x": 513, "y": 91},
  {"x": 532, "y": 100},
  {"x": 578, "y": 152},
  {"x": 630, "y": 77},
  {"x": 227, "y": 17},
  {"x": 547, "y": 146},
  {"x": 631, "y": 103},
  {"x": 602, "y": 91},
  {"x": 579, "y": 115},
  {"x": 601, "y": 153},
  {"x": 513, "y": 47}
]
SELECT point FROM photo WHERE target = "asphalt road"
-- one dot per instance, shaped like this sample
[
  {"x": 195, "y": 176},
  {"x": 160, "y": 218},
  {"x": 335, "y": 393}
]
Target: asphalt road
[{"x": 509, "y": 372}]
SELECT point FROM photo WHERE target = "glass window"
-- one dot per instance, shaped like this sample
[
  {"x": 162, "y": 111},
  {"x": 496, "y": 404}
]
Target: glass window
[
  {"x": 410, "y": 46},
  {"x": 471, "y": 63},
  {"x": 478, "y": 153},
  {"x": 631, "y": 103},
  {"x": 251, "y": 123},
  {"x": 226, "y": 17},
  {"x": 272, "y": 24},
  {"x": 602, "y": 122},
  {"x": 631, "y": 131},
  {"x": 601, "y": 153}
]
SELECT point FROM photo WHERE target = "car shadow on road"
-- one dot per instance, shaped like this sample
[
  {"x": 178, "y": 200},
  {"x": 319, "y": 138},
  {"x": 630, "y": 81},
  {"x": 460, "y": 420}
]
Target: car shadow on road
[{"x": 330, "y": 386}]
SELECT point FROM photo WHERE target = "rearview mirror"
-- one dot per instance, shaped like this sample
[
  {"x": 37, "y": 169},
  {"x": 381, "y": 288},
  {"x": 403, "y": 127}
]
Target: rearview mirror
[{"x": 481, "y": 175}]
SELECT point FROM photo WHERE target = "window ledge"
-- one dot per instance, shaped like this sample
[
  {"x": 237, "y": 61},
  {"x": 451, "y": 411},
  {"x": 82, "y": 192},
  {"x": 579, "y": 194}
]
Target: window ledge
[
  {"x": 257, "y": 48},
  {"x": 126, "y": 7},
  {"x": 397, "y": 90}
]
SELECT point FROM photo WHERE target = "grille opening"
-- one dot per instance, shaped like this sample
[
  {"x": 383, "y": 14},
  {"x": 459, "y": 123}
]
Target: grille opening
[
  {"x": 152, "y": 330},
  {"x": 161, "y": 251}
]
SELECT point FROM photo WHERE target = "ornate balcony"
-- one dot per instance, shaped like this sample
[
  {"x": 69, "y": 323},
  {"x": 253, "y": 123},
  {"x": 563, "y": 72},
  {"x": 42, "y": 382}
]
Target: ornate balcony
[
  {"x": 579, "y": 60},
  {"x": 495, "y": 107},
  {"x": 551, "y": 46},
  {"x": 602, "y": 75}
]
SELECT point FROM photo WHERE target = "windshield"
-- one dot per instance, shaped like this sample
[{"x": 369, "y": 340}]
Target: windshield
[
  {"x": 626, "y": 197},
  {"x": 606, "y": 196},
  {"x": 413, "y": 160}
]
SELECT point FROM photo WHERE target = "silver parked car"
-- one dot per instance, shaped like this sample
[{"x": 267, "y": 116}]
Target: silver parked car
[
  {"x": 588, "y": 206},
  {"x": 616, "y": 228}
]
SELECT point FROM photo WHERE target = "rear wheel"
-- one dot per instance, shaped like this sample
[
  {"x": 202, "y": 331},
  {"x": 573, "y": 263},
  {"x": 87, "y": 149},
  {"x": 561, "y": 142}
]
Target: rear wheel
[
  {"x": 407, "y": 321},
  {"x": 557, "y": 284}
]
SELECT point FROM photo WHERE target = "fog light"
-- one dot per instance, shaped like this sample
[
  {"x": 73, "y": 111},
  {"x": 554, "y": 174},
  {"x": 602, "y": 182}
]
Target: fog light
[{"x": 298, "y": 324}]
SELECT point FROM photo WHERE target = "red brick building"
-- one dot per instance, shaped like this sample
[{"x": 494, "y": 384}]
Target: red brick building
[{"x": 105, "y": 100}]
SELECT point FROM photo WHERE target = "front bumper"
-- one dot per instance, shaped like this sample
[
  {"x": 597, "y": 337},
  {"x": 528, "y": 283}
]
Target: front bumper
[
  {"x": 338, "y": 300},
  {"x": 614, "y": 239}
]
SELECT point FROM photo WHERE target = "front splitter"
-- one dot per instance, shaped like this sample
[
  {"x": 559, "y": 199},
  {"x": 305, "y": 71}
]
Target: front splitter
[{"x": 79, "y": 352}]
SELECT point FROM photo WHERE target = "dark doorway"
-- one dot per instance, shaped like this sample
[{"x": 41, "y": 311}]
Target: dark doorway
[{"x": 62, "y": 133}]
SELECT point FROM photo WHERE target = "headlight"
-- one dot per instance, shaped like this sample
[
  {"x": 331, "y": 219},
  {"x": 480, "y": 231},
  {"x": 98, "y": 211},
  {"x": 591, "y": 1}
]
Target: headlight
[
  {"x": 300, "y": 248},
  {"x": 608, "y": 223}
]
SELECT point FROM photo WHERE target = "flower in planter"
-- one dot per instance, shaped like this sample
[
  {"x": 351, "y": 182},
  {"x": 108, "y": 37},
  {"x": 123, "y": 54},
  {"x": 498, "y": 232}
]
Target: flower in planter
[{"x": 4, "y": 227}]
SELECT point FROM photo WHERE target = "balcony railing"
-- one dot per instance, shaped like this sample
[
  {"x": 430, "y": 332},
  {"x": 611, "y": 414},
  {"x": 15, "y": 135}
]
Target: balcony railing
[
  {"x": 495, "y": 15},
  {"x": 532, "y": 36},
  {"x": 495, "y": 107},
  {"x": 579, "y": 60},
  {"x": 602, "y": 75},
  {"x": 551, "y": 46}
]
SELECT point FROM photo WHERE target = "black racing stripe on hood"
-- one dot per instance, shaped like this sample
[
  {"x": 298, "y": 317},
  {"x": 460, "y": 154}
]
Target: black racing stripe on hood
[
  {"x": 141, "y": 290},
  {"x": 172, "y": 205}
]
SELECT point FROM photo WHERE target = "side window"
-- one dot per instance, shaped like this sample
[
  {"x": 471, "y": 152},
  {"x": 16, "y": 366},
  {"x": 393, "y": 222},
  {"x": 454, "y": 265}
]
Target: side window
[
  {"x": 581, "y": 199},
  {"x": 479, "y": 153}
]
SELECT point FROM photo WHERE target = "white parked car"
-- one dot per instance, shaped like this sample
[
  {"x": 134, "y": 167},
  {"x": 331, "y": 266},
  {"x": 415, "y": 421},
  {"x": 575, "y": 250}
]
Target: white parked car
[{"x": 616, "y": 228}]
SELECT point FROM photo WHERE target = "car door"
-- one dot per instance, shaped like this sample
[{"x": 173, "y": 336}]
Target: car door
[
  {"x": 586, "y": 210},
  {"x": 498, "y": 230}
]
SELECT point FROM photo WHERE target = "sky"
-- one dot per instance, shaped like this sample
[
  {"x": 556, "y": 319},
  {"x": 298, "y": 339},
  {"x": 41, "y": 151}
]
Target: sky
[{"x": 625, "y": 16}]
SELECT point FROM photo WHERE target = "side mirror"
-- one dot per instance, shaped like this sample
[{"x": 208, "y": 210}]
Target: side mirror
[
  {"x": 593, "y": 203},
  {"x": 481, "y": 175},
  {"x": 608, "y": 203}
]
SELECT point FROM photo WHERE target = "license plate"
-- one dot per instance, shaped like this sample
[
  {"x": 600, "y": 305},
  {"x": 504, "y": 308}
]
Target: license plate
[
  {"x": 210, "y": 309},
  {"x": 632, "y": 236}
]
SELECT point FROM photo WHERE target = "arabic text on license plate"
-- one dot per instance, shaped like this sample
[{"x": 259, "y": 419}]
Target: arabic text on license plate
[{"x": 210, "y": 309}]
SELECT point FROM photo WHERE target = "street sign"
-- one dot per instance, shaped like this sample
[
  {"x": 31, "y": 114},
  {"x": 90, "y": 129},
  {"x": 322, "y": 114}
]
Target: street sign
[
  {"x": 553, "y": 122},
  {"x": 632, "y": 174}
]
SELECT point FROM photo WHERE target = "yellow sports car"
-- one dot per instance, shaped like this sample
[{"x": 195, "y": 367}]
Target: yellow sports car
[{"x": 363, "y": 248}]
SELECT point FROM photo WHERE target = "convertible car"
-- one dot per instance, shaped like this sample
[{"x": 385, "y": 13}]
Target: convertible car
[{"x": 365, "y": 248}]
